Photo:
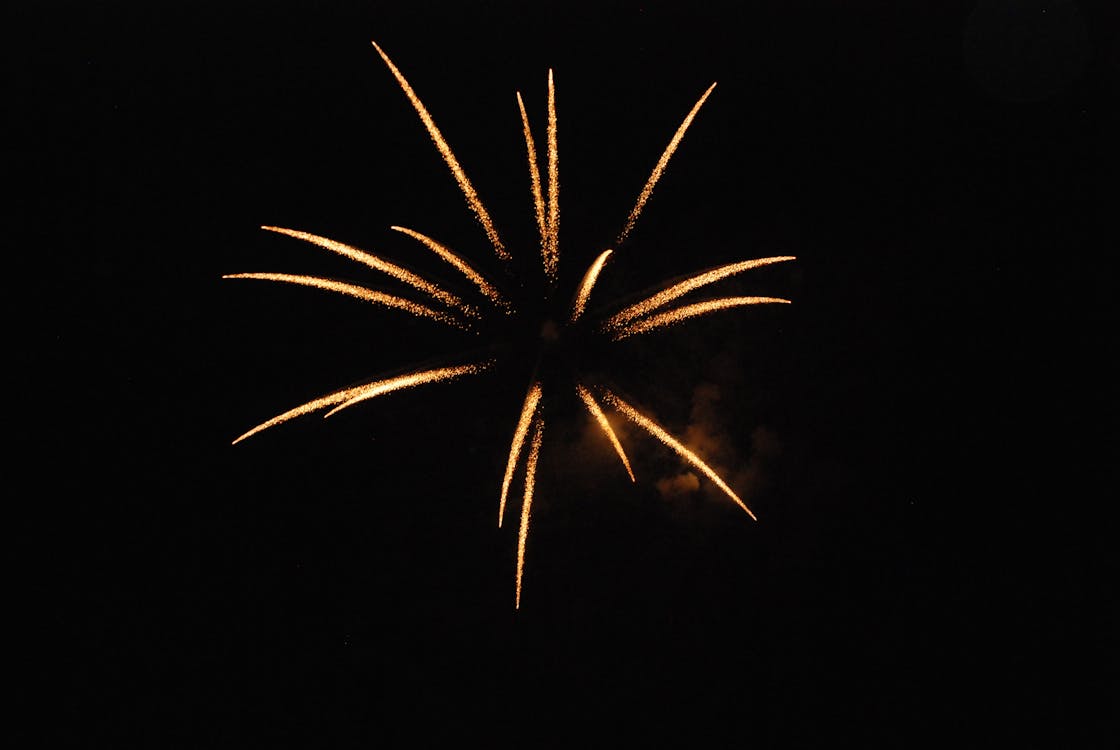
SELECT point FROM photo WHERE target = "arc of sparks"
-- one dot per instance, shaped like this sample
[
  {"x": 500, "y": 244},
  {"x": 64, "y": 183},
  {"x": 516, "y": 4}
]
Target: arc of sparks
[
  {"x": 358, "y": 292},
  {"x": 459, "y": 264},
  {"x": 552, "y": 257},
  {"x": 465, "y": 185},
  {"x": 378, "y": 264},
  {"x": 601, "y": 419},
  {"x": 530, "y": 481},
  {"x": 658, "y": 432},
  {"x": 666, "y": 296},
  {"x": 368, "y": 390},
  {"x": 681, "y": 314},
  {"x": 528, "y": 410},
  {"x": 659, "y": 168},
  {"x": 534, "y": 180},
  {"x": 587, "y": 284}
]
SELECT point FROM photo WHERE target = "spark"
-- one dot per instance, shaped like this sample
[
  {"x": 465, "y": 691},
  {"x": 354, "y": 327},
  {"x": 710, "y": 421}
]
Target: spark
[
  {"x": 588, "y": 284},
  {"x": 646, "y": 315},
  {"x": 534, "y": 180},
  {"x": 530, "y": 482},
  {"x": 681, "y": 314},
  {"x": 459, "y": 264},
  {"x": 666, "y": 296},
  {"x": 654, "y": 429},
  {"x": 528, "y": 409},
  {"x": 460, "y": 176},
  {"x": 384, "y": 266},
  {"x": 350, "y": 396},
  {"x": 552, "y": 257},
  {"x": 659, "y": 168},
  {"x": 601, "y": 418},
  {"x": 352, "y": 290}
]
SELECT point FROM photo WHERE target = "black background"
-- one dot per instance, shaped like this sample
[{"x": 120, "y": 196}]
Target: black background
[{"x": 924, "y": 430}]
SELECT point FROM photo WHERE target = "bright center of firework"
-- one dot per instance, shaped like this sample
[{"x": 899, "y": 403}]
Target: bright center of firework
[{"x": 564, "y": 343}]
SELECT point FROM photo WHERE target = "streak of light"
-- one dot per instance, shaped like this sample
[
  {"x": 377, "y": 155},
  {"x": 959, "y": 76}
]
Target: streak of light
[
  {"x": 659, "y": 169},
  {"x": 654, "y": 429},
  {"x": 682, "y": 314},
  {"x": 384, "y": 266},
  {"x": 534, "y": 179},
  {"x": 528, "y": 409},
  {"x": 530, "y": 481},
  {"x": 665, "y": 296},
  {"x": 352, "y": 290},
  {"x": 380, "y": 388},
  {"x": 459, "y": 264},
  {"x": 552, "y": 257},
  {"x": 588, "y": 283},
  {"x": 347, "y": 394},
  {"x": 473, "y": 200},
  {"x": 601, "y": 418}
]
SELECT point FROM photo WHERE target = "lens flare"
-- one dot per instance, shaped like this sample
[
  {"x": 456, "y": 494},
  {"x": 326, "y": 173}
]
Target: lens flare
[{"x": 571, "y": 327}]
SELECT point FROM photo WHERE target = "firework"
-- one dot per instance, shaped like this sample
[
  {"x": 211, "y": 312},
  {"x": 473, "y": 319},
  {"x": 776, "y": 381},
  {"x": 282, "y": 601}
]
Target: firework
[{"x": 646, "y": 315}]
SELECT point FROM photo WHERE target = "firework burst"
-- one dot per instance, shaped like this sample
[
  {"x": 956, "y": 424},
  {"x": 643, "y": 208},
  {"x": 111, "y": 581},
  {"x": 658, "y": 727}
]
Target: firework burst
[{"x": 442, "y": 307}]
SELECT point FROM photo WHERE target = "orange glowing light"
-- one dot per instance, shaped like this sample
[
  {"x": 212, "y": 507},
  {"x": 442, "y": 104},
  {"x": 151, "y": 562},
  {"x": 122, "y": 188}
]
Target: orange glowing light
[{"x": 451, "y": 310}]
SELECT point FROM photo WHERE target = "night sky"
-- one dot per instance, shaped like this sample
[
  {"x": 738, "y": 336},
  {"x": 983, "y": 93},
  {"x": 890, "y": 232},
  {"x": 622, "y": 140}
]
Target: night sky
[{"x": 923, "y": 433}]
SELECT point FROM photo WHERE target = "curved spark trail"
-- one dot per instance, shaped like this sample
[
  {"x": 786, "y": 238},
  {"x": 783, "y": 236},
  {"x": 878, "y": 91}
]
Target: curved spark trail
[
  {"x": 659, "y": 168},
  {"x": 534, "y": 180},
  {"x": 666, "y": 296},
  {"x": 552, "y": 257},
  {"x": 563, "y": 333},
  {"x": 654, "y": 429},
  {"x": 352, "y": 290},
  {"x": 588, "y": 284},
  {"x": 681, "y": 314},
  {"x": 459, "y": 264},
  {"x": 528, "y": 410},
  {"x": 350, "y": 396},
  {"x": 530, "y": 482},
  {"x": 384, "y": 266},
  {"x": 601, "y": 418},
  {"x": 460, "y": 176}
]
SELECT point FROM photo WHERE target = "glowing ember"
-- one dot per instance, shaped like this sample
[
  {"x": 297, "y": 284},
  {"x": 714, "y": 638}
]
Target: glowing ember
[
  {"x": 528, "y": 409},
  {"x": 681, "y": 314},
  {"x": 527, "y": 502},
  {"x": 601, "y": 419},
  {"x": 588, "y": 284}
]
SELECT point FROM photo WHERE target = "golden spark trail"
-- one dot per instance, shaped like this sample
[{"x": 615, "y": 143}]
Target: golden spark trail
[
  {"x": 552, "y": 257},
  {"x": 360, "y": 292},
  {"x": 380, "y": 388},
  {"x": 459, "y": 264},
  {"x": 347, "y": 394},
  {"x": 588, "y": 284},
  {"x": 659, "y": 169},
  {"x": 680, "y": 314},
  {"x": 528, "y": 409},
  {"x": 654, "y": 429},
  {"x": 666, "y": 296},
  {"x": 601, "y": 418},
  {"x": 530, "y": 480},
  {"x": 534, "y": 179},
  {"x": 377, "y": 264},
  {"x": 460, "y": 176}
]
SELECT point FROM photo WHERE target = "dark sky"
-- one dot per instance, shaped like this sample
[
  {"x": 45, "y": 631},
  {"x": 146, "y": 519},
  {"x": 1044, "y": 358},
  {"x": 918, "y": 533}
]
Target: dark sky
[{"x": 923, "y": 432}]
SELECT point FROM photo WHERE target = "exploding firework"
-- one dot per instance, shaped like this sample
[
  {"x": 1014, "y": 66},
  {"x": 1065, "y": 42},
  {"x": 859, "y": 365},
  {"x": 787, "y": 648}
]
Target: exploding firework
[{"x": 441, "y": 306}]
